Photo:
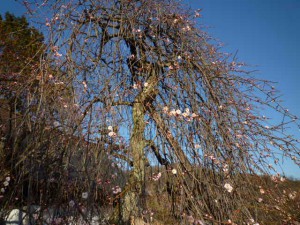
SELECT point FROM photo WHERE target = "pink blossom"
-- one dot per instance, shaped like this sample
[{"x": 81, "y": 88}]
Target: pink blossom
[
  {"x": 197, "y": 145},
  {"x": 174, "y": 171},
  {"x": 165, "y": 109},
  {"x": 112, "y": 134},
  {"x": 116, "y": 190},
  {"x": 71, "y": 203},
  {"x": 156, "y": 177},
  {"x": 178, "y": 111},
  {"x": 197, "y": 15},
  {"x": 135, "y": 86},
  {"x": 85, "y": 195},
  {"x": 190, "y": 219},
  {"x": 228, "y": 187},
  {"x": 172, "y": 112},
  {"x": 194, "y": 115},
  {"x": 57, "y": 54},
  {"x": 262, "y": 191},
  {"x": 185, "y": 114}
]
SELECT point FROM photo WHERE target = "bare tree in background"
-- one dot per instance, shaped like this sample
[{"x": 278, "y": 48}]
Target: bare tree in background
[{"x": 143, "y": 79}]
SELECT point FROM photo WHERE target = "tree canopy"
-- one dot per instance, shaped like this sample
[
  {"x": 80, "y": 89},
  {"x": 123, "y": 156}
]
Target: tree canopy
[
  {"x": 152, "y": 89},
  {"x": 20, "y": 51}
]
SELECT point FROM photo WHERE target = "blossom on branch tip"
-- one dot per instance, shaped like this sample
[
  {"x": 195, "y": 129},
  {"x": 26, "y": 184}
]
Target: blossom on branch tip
[
  {"x": 85, "y": 195},
  {"x": 251, "y": 220},
  {"x": 225, "y": 168},
  {"x": 112, "y": 134},
  {"x": 197, "y": 145},
  {"x": 292, "y": 195},
  {"x": 84, "y": 84},
  {"x": 165, "y": 109},
  {"x": 116, "y": 190},
  {"x": 57, "y": 54},
  {"x": 185, "y": 114},
  {"x": 56, "y": 124},
  {"x": 156, "y": 177},
  {"x": 178, "y": 111},
  {"x": 172, "y": 112},
  {"x": 71, "y": 203},
  {"x": 228, "y": 187},
  {"x": 197, "y": 15},
  {"x": 174, "y": 171},
  {"x": 262, "y": 191},
  {"x": 194, "y": 115}
]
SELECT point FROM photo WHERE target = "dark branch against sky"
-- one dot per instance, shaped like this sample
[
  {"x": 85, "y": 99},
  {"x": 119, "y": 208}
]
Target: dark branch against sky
[{"x": 266, "y": 35}]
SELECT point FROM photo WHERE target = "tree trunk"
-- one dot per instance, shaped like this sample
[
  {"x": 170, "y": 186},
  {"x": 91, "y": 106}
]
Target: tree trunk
[{"x": 129, "y": 206}]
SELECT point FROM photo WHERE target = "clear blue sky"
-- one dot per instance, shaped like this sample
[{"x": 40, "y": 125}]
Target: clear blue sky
[{"x": 266, "y": 34}]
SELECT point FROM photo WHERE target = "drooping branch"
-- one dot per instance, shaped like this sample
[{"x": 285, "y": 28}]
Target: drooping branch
[
  {"x": 158, "y": 156},
  {"x": 162, "y": 127}
]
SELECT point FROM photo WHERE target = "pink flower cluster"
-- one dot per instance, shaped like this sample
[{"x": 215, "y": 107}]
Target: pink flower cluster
[
  {"x": 156, "y": 177},
  {"x": 116, "y": 190},
  {"x": 55, "y": 50},
  {"x": 111, "y": 132},
  {"x": 5, "y": 184},
  {"x": 177, "y": 113}
]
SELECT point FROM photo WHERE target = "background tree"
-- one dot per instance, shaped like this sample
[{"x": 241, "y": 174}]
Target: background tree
[
  {"x": 178, "y": 102},
  {"x": 21, "y": 48},
  {"x": 43, "y": 161},
  {"x": 20, "y": 51}
]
